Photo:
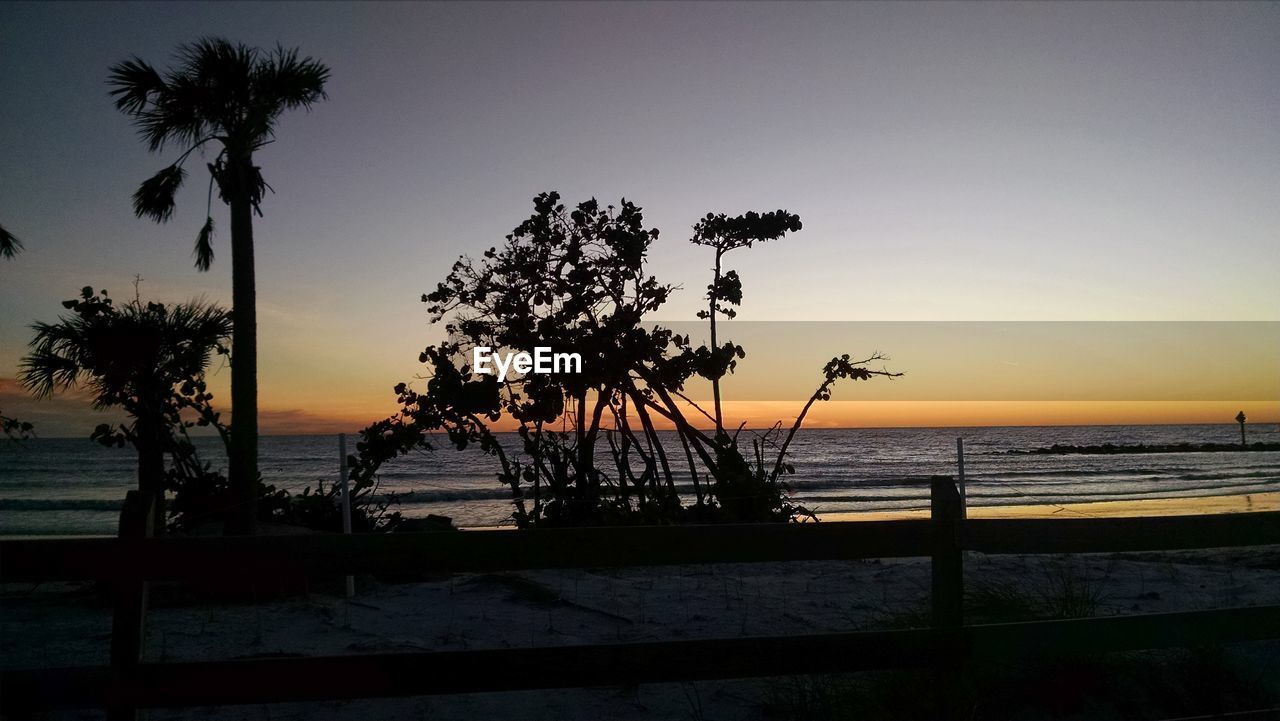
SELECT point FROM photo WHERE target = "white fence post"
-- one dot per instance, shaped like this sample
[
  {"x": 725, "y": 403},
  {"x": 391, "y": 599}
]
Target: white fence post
[{"x": 346, "y": 501}]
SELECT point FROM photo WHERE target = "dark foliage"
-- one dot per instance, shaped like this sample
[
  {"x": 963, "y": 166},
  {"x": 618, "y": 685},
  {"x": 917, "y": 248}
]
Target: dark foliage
[
  {"x": 223, "y": 92},
  {"x": 149, "y": 359},
  {"x": 573, "y": 280},
  {"x": 9, "y": 244},
  {"x": 231, "y": 95},
  {"x": 14, "y": 429}
]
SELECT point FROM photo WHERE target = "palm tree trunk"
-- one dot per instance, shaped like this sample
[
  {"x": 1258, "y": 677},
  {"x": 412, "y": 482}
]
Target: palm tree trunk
[
  {"x": 150, "y": 445},
  {"x": 243, "y": 466}
]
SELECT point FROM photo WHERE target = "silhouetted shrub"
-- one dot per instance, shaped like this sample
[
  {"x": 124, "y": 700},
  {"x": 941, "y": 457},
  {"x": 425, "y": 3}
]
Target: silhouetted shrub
[
  {"x": 149, "y": 359},
  {"x": 574, "y": 280}
]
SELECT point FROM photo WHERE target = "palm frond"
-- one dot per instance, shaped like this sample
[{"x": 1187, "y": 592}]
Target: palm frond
[
  {"x": 204, "y": 246},
  {"x": 154, "y": 199},
  {"x": 222, "y": 72},
  {"x": 178, "y": 115},
  {"x": 122, "y": 353},
  {"x": 217, "y": 61},
  {"x": 44, "y": 372},
  {"x": 56, "y": 360},
  {"x": 256, "y": 185},
  {"x": 134, "y": 85},
  {"x": 284, "y": 81},
  {"x": 197, "y": 327},
  {"x": 9, "y": 244},
  {"x": 215, "y": 90}
]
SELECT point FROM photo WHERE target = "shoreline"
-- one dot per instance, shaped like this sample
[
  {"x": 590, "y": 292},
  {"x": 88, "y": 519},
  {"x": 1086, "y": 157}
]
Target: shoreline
[{"x": 1188, "y": 506}]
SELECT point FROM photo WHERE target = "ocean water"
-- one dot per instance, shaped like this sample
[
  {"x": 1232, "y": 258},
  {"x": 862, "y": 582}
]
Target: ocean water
[{"x": 73, "y": 486}]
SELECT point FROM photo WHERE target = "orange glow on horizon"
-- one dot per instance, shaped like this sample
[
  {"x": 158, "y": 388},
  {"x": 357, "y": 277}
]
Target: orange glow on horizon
[
  {"x": 860, "y": 414},
  {"x": 310, "y": 411}
]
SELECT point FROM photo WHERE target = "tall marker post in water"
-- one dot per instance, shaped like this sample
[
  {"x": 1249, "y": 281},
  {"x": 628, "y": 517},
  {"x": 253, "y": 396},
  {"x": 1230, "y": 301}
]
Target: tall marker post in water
[
  {"x": 346, "y": 501},
  {"x": 964, "y": 501},
  {"x": 1240, "y": 420}
]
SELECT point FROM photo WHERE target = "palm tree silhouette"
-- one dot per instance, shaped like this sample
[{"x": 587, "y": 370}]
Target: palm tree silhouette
[
  {"x": 9, "y": 244},
  {"x": 12, "y": 428},
  {"x": 233, "y": 95},
  {"x": 132, "y": 357}
]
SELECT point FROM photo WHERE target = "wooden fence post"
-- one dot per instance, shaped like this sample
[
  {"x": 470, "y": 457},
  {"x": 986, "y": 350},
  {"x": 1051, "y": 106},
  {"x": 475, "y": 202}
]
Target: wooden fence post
[
  {"x": 129, "y": 596},
  {"x": 947, "y": 597},
  {"x": 948, "y": 566}
]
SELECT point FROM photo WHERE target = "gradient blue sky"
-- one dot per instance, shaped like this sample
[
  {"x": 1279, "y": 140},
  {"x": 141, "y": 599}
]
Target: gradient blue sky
[{"x": 950, "y": 161}]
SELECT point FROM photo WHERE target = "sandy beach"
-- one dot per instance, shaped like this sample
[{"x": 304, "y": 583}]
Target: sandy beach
[
  {"x": 69, "y": 624},
  {"x": 1189, "y": 506}
]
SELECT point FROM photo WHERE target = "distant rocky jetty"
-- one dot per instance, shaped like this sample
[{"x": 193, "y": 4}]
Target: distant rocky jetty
[{"x": 1111, "y": 448}]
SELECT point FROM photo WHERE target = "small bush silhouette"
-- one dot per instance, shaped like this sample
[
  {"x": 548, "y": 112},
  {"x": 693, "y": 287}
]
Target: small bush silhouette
[{"x": 149, "y": 359}]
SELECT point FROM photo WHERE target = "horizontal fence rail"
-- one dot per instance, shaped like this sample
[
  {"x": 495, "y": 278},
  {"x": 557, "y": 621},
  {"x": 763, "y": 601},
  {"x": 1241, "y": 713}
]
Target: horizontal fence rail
[
  {"x": 460, "y": 551},
  {"x": 126, "y": 564},
  {"x": 465, "y": 551},
  {"x": 412, "y": 674},
  {"x": 1106, "y": 535}
]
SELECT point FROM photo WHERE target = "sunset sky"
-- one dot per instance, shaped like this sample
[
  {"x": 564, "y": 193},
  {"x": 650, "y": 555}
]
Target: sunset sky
[{"x": 951, "y": 162}]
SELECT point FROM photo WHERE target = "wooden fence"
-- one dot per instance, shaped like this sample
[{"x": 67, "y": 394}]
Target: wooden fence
[{"x": 131, "y": 560}]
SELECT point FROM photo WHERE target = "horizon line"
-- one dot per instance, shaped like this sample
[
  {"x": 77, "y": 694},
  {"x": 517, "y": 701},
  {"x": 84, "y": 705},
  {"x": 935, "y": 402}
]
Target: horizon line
[{"x": 818, "y": 428}]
